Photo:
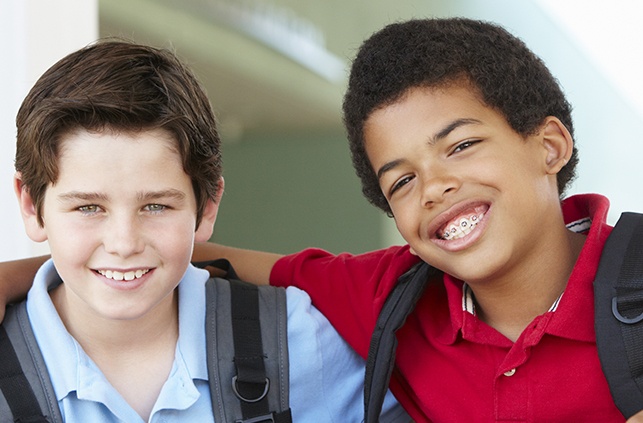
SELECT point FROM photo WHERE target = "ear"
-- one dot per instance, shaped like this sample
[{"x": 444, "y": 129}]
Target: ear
[
  {"x": 206, "y": 227},
  {"x": 34, "y": 230},
  {"x": 558, "y": 143}
]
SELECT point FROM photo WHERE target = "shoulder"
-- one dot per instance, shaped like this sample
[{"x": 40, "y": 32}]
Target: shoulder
[
  {"x": 304, "y": 320},
  {"x": 326, "y": 376}
]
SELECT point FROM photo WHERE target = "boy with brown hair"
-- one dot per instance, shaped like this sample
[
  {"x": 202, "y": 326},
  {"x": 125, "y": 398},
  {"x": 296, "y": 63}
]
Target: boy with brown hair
[{"x": 119, "y": 169}]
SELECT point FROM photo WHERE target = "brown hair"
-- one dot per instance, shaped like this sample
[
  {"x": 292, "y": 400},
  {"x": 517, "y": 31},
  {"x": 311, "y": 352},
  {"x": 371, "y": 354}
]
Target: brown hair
[{"x": 124, "y": 87}]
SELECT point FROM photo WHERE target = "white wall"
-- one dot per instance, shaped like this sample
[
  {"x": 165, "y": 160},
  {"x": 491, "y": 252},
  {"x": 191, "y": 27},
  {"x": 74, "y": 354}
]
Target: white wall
[
  {"x": 607, "y": 122},
  {"x": 34, "y": 34},
  {"x": 608, "y": 97}
]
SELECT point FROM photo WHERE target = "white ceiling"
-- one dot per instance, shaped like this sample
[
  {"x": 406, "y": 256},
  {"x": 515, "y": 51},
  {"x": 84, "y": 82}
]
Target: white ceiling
[
  {"x": 269, "y": 66},
  {"x": 276, "y": 66}
]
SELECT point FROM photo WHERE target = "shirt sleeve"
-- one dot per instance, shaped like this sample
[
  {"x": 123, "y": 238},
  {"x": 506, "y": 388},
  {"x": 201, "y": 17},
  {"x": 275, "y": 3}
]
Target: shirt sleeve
[
  {"x": 348, "y": 289},
  {"x": 326, "y": 375}
]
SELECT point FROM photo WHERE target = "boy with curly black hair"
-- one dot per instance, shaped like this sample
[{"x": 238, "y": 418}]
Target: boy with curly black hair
[
  {"x": 436, "y": 53},
  {"x": 461, "y": 134}
]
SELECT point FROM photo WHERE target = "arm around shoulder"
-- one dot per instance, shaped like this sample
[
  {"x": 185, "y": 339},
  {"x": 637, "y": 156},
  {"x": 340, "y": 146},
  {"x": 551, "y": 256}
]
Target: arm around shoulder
[
  {"x": 637, "y": 418},
  {"x": 16, "y": 277},
  {"x": 251, "y": 266}
]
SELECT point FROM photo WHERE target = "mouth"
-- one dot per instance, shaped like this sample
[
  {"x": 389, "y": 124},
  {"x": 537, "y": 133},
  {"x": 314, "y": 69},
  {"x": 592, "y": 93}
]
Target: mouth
[
  {"x": 462, "y": 223},
  {"x": 118, "y": 275}
]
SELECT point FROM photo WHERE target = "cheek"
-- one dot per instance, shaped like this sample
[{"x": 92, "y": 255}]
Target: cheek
[
  {"x": 69, "y": 236},
  {"x": 70, "y": 253},
  {"x": 176, "y": 239},
  {"x": 406, "y": 226}
]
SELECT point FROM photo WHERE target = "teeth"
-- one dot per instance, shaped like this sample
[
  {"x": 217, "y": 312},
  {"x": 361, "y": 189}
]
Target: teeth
[
  {"x": 126, "y": 276},
  {"x": 462, "y": 227}
]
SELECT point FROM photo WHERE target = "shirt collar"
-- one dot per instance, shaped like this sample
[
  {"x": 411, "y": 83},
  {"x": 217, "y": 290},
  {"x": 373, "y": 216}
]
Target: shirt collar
[
  {"x": 61, "y": 354},
  {"x": 65, "y": 358},
  {"x": 574, "y": 317},
  {"x": 192, "y": 344}
]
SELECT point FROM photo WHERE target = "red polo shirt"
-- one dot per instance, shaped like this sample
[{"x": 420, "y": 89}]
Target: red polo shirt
[{"x": 453, "y": 367}]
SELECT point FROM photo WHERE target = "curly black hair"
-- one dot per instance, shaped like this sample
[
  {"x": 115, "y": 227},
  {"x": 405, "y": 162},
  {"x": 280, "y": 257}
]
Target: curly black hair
[{"x": 436, "y": 52}]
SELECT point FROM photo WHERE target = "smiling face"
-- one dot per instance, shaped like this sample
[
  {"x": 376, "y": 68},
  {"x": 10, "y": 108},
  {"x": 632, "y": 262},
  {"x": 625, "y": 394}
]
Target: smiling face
[
  {"x": 120, "y": 221},
  {"x": 470, "y": 195}
]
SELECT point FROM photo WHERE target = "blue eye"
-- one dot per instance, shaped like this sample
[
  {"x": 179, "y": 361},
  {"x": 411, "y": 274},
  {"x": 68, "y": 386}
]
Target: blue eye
[
  {"x": 89, "y": 209},
  {"x": 155, "y": 208}
]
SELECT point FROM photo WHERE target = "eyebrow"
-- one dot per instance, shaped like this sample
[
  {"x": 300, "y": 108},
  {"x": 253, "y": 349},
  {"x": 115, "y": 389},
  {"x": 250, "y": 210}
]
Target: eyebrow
[
  {"x": 444, "y": 132},
  {"x": 440, "y": 135},
  {"x": 166, "y": 193},
  {"x": 84, "y": 196},
  {"x": 141, "y": 196}
]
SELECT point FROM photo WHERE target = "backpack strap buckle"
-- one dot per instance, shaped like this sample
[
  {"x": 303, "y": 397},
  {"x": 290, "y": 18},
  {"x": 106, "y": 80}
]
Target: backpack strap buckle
[
  {"x": 274, "y": 417},
  {"x": 259, "y": 419}
]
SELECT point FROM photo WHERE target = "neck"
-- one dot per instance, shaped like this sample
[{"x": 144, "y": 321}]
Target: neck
[
  {"x": 98, "y": 333},
  {"x": 136, "y": 356},
  {"x": 511, "y": 301}
]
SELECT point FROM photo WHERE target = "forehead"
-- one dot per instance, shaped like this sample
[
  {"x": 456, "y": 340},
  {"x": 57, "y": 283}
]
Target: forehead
[
  {"x": 116, "y": 135},
  {"x": 433, "y": 104},
  {"x": 148, "y": 156},
  {"x": 110, "y": 139},
  {"x": 423, "y": 111}
]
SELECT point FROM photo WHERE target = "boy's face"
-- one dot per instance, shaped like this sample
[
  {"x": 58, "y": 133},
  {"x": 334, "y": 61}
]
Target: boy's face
[
  {"x": 470, "y": 195},
  {"x": 120, "y": 221}
]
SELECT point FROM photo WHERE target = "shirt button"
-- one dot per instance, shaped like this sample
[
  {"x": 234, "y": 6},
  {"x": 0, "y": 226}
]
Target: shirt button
[{"x": 510, "y": 372}]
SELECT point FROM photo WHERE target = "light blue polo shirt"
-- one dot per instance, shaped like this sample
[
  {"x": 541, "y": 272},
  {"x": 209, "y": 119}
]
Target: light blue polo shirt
[{"x": 326, "y": 376}]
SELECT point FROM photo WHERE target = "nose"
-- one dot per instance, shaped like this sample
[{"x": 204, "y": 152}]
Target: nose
[
  {"x": 123, "y": 236},
  {"x": 437, "y": 186}
]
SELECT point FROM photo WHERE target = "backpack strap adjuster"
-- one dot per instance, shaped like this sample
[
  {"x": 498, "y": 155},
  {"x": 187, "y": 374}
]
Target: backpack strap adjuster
[{"x": 259, "y": 419}]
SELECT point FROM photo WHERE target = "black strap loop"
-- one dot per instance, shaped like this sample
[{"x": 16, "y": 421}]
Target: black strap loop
[
  {"x": 617, "y": 313},
  {"x": 235, "y": 389}
]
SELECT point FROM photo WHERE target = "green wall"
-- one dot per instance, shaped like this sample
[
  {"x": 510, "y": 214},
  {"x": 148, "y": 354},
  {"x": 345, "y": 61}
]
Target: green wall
[{"x": 286, "y": 193}]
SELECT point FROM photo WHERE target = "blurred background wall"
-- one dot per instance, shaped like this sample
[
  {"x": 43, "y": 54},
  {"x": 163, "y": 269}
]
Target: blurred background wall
[{"x": 276, "y": 71}]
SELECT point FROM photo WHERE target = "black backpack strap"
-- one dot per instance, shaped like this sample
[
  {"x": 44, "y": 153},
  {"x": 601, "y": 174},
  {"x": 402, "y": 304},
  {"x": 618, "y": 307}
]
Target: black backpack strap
[
  {"x": 24, "y": 379},
  {"x": 247, "y": 346},
  {"x": 381, "y": 354},
  {"x": 15, "y": 386},
  {"x": 618, "y": 297}
]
